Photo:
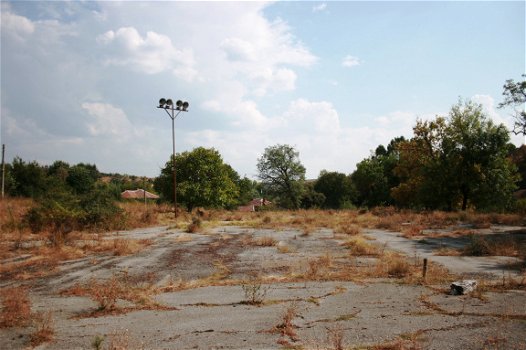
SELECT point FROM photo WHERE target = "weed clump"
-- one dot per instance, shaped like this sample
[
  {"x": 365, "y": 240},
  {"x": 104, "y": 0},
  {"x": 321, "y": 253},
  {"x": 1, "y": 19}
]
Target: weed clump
[
  {"x": 16, "y": 308},
  {"x": 44, "y": 328},
  {"x": 254, "y": 291},
  {"x": 195, "y": 225},
  {"x": 265, "y": 241},
  {"x": 477, "y": 246}
]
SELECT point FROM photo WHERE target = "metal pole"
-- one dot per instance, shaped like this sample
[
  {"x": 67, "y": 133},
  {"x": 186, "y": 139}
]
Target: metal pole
[
  {"x": 173, "y": 160},
  {"x": 168, "y": 106},
  {"x": 3, "y": 169}
]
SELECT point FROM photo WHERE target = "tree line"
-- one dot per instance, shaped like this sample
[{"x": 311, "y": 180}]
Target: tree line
[{"x": 459, "y": 161}]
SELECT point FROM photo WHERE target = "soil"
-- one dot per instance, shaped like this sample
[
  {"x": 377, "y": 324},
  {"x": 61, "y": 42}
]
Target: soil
[{"x": 202, "y": 287}]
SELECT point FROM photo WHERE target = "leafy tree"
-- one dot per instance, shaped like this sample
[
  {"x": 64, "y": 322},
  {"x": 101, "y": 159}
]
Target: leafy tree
[
  {"x": 282, "y": 174},
  {"x": 515, "y": 95},
  {"x": 518, "y": 157},
  {"x": 456, "y": 162},
  {"x": 337, "y": 189},
  {"x": 248, "y": 190},
  {"x": 59, "y": 170},
  {"x": 311, "y": 198},
  {"x": 371, "y": 183},
  {"x": 374, "y": 177},
  {"x": 82, "y": 178},
  {"x": 203, "y": 180},
  {"x": 29, "y": 179}
]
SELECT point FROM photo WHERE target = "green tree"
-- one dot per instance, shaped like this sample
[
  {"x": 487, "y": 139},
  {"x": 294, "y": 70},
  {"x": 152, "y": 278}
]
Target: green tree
[
  {"x": 311, "y": 198},
  {"x": 457, "y": 162},
  {"x": 28, "y": 179},
  {"x": 374, "y": 177},
  {"x": 371, "y": 183},
  {"x": 203, "y": 180},
  {"x": 515, "y": 95},
  {"x": 282, "y": 174},
  {"x": 518, "y": 157},
  {"x": 82, "y": 178},
  {"x": 248, "y": 190},
  {"x": 337, "y": 189}
]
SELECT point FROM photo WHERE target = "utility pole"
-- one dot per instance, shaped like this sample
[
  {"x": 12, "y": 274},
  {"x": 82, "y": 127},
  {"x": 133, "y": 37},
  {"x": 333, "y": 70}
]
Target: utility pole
[{"x": 3, "y": 170}]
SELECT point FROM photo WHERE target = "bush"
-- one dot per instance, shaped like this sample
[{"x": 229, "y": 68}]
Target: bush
[
  {"x": 66, "y": 212},
  {"x": 477, "y": 246},
  {"x": 520, "y": 206},
  {"x": 100, "y": 211}
]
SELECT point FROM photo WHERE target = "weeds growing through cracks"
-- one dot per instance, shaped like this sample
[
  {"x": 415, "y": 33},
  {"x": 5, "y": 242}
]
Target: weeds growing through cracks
[{"x": 254, "y": 291}]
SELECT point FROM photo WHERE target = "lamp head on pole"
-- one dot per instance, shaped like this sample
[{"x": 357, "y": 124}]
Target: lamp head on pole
[
  {"x": 168, "y": 104},
  {"x": 182, "y": 106}
]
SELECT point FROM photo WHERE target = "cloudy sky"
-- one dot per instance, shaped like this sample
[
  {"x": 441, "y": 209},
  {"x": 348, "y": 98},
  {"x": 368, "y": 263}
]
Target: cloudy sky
[{"x": 80, "y": 80}]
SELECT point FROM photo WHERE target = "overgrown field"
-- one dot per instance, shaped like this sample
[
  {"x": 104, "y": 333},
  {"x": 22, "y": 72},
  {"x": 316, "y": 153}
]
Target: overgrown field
[{"x": 310, "y": 273}]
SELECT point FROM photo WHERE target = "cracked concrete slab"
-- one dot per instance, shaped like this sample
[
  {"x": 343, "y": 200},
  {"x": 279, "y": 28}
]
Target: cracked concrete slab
[{"x": 215, "y": 314}]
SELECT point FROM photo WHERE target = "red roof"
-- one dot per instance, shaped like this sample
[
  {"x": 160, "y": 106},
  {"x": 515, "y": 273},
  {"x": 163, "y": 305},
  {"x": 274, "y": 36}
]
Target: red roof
[{"x": 138, "y": 194}]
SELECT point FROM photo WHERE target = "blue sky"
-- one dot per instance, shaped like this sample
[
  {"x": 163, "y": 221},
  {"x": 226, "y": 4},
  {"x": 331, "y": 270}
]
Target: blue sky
[{"x": 80, "y": 80}]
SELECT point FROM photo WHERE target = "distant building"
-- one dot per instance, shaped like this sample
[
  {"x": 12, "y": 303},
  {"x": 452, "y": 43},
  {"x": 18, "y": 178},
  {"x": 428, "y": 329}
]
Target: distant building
[
  {"x": 254, "y": 204},
  {"x": 138, "y": 194}
]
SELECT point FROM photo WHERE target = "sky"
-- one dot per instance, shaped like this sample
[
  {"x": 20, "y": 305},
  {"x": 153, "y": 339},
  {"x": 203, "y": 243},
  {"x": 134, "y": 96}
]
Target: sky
[{"x": 80, "y": 80}]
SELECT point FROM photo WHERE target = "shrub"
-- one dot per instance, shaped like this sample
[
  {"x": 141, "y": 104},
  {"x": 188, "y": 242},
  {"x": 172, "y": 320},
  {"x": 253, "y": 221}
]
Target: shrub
[
  {"x": 397, "y": 267},
  {"x": 477, "y": 246},
  {"x": 195, "y": 225},
  {"x": 360, "y": 246},
  {"x": 66, "y": 212}
]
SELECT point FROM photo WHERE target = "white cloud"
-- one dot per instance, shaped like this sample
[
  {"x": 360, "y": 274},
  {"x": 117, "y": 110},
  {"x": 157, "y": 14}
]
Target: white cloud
[
  {"x": 319, "y": 8},
  {"x": 107, "y": 120},
  {"x": 281, "y": 79},
  {"x": 351, "y": 61},
  {"x": 237, "y": 49},
  {"x": 488, "y": 105},
  {"x": 18, "y": 27},
  {"x": 318, "y": 117},
  {"x": 152, "y": 54}
]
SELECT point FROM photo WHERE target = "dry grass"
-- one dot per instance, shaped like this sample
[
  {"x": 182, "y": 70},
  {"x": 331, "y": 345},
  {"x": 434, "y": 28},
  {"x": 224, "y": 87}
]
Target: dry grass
[
  {"x": 265, "y": 241},
  {"x": 139, "y": 214},
  {"x": 283, "y": 249},
  {"x": 318, "y": 268},
  {"x": 122, "y": 340},
  {"x": 44, "y": 331},
  {"x": 286, "y": 328},
  {"x": 509, "y": 245},
  {"x": 447, "y": 251},
  {"x": 359, "y": 247},
  {"x": 195, "y": 225},
  {"x": 335, "y": 336},
  {"x": 118, "y": 246},
  {"x": 16, "y": 307},
  {"x": 397, "y": 266},
  {"x": 507, "y": 283},
  {"x": 135, "y": 289},
  {"x": 31, "y": 255},
  {"x": 348, "y": 229}
]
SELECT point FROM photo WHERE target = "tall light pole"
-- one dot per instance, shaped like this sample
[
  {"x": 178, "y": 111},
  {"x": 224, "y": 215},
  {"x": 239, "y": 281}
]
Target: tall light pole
[{"x": 173, "y": 112}]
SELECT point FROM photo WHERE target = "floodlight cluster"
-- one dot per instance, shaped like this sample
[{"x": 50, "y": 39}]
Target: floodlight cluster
[{"x": 168, "y": 104}]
